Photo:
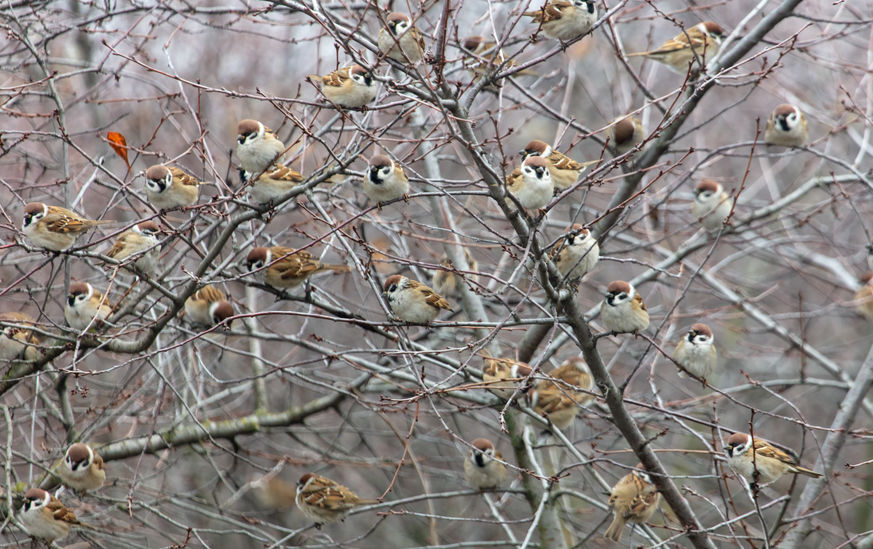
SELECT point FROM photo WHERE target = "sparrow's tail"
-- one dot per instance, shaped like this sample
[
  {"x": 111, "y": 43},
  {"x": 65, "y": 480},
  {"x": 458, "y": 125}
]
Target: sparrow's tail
[
  {"x": 336, "y": 268},
  {"x": 616, "y": 529},
  {"x": 637, "y": 53},
  {"x": 807, "y": 472}
]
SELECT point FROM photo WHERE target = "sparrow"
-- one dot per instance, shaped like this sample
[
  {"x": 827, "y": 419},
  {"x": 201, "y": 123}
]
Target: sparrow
[
  {"x": 563, "y": 169},
  {"x": 503, "y": 376},
  {"x": 557, "y": 401},
  {"x": 412, "y": 301},
  {"x": 284, "y": 268},
  {"x": 44, "y": 517},
  {"x": 401, "y": 30},
  {"x": 623, "y": 309},
  {"x": 169, "y": 187},
  {"x": 711, "y": 205},
  {"x": 487, "y": 58},
  {"x": 384, "y": 180},
  {"x": 208, "y": 306},
  {"x": 864, "y": 297},
  {"x": 82, "y": 468},
  {"x": 756, "y": 458},
  {"x": 573, "y": 372},
  {"x": 482, "y": 467},
  {"x": 576, "y": 254},
  {"x": 696, "y": 351},
  {"x": 85, "y": 307},
  {"x": 351, "y": 87},
  {"x": 531, "y": 183},
  {"x": 626, "y": 133},
  {"x": 140, "y": 241},
  {"x": 54, "y": 228},
  {"x": 565, "y": 20},
  {"x": 324, "y": 500},
  {"x": 633, "y": 499},
  {"x": 277, "y": 181},
  {"x": 18, "y": 342},
  {"x": 786, "y": 127},
  {"x": 447, "y": 281},
  {"x": 257, "y": 146},
  {"x": 694, "y": 45}
]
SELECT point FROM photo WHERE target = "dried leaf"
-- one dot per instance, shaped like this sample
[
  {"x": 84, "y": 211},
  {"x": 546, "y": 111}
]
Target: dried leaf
[{"x": 119, "y": 145}]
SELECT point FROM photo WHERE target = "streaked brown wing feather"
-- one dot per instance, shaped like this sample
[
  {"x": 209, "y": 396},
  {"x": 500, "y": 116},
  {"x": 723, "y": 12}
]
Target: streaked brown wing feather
[
  {"x": 336, "y": 78},
  {"x": 552, "y": 11},
  {"x": 183, "y": 177},
  {"x": 639, "y": 299},
  {"x": 210, "y": 294},
  {"x": 64, "y": 224},
  {"x": 513, "y": 182},
  {"x": 564, "y": 162},
  {"x": 435, "y": 300},
  {"x": 283, "y": 173},
  {"x": 770, "y": 451},
  {"x": 59, "y": 512}
]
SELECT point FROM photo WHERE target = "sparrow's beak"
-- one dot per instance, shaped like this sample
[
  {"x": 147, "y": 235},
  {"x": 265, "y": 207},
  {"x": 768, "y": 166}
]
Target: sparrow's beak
[{"x": 71, "y": 299}]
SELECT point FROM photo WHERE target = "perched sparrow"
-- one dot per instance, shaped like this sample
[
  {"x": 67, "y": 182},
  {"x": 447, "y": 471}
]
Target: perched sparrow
[
  {"x": 531, "y": 184},
  {"x": 52, "y": 227},
  {"x": 82, "y": 468},
  {"x": 44, "y": 517},
  {"x": 864, "y": 297},
  {"x": 85, "y": 307},
  {"x": 633, "y": 499},
  {"x": 623, "y": 309},
  {"x": 208, "y": 306},
  {"x": 694, "y": 45},
  {"x": 141, "y": 241},
  {"x": 481, "y": 469},
  {"x": 274, "y": 183},
  {"x": 711, "y": 205},
  {"x": 169, "y": 187},
  {"x": 786, "y": 127},
  {"x": 18, "y": 342},
  {"x": 447, "y": 281},
  {"x": 576, "y": 254},
  {"x": 754, "y": 459},
  {"x": 324, "y": 500},
  {"x": 563, "y": 169},
  {"x": 503, "y": 376},
  {"x": 574, "y": 372},
  {"x": 553, "y": 402},
  {"x": 412, "y": 301},
  {"x": 400, "y": 29},
  {"x": 384, "y": 180},
  {"x": 284, "y": 268},
  {"x": 696, "y": 351},
  {"x": 626, "y": 133},
  {"x": 350, "y": 87},
  {"x": 487, "y": 58},
  {"x": 257, "y": 147},
  {"x": 565, "y": 20}
]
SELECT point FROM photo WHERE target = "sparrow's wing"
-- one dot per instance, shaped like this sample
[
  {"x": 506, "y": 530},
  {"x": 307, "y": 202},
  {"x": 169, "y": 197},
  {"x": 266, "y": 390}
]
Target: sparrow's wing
[
  {"x": 61, "y": 223},
  {"x": 552, "y": 11},
  {"x": 434, "y": 299},
  {"x": 564, "y": 162},
  {"x": 766, "y": 449},
  {"x": 283, "y": 173},
  {"x": 513, "y": 182},
  {"x": 327, "y": 494},
  {"x": 639, "y": 300},
  {"x": 119, "y": 244},
  {"x": 182, "y": 177},
  {"x": 337, "y": 78},
  {"x": 98, "y": 462},
  {"x": 61, "y": 513},
  {"x": 297, "y": 265},
  {"x": 210, "y": 294},
  {"x": 419, "y": 39},
  {"x": 680, "y": 42}
]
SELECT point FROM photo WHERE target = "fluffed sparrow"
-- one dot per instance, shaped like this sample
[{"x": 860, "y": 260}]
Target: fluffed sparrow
[
  {"x": 324, "y": 500},
  {"x": 350, "y": 87},
  {"x": 54, "y": 228},
  {"x": 503, "y": 376},
  {"x": 401, "y": 30},
  {"x": 384, "y": 180},
  {"x": 284, "y": 268},
  {"x": 754, "y": 459},
  {"x": 85, "y": 307},
  {"x": 487, "y": 58},
  {"x": 574, "y": 372},
  {"x": 565, "y": 20},
  {"x": 446, "y": 281},
  {"x": 563, "y": 169},
  {"x": 531, "y": 183},
  {"x": 623, "y": 310},
  {"x": 576, "y": 254},
  {"x": 257, "y": 147},
  {"x": 16, "y": 341},
  {"x": 699, "y": 43},
  {"x": 169, "y": 187},
  {"x": 711, "y": 205},
  {"x": 44, "y": 517},
  {"x": 556, "y": 399},
  {"x": 633, "y": 499},
  {"x": 82, "y": 468},
  {"x": 696, "y": 351},
  {"x": 208, "y": 306},
  {"x": 141, "y": 241},
  {"x": 786, "y": 127},
  {"x": 481, "y": 470},
  {"x": 412, "y": 301},
  {"x": 626, "y": 133},
  {"x": 277, "y": 181}
]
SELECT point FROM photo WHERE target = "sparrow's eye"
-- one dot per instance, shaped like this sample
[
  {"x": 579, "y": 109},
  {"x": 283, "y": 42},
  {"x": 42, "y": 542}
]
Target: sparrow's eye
[
  {"x": 402, "y": 26},
  {"x": 81, "y": 297},
  {"x": 392, "y": 287}
]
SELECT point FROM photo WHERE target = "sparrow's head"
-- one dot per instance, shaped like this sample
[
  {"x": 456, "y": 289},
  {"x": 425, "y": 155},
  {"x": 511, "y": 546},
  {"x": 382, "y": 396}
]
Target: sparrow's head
[
  {"x": 623, "y": 131},
  {"x": 148, "y": 228},
  {"x": 398, "y": 23},
  {"x": 618, "y": 292},
  {"x": 380, "y": 169},
  {"x": 577, "y": 362},
  {"x": 472, "y": 43},
  {"x": 79, "y": 292},
  {"x": 33, "y": 212},
  {"x": 249, "y": 130},
  {"x": 258, "y": 258},
  {"x": 640, "y": 472},
  {"x": 536, "y": 166},
  {"x": 699, "y": 334},
  {"x": 35, "y": 498},
  {"x": 536, "y": 148},
  {"x": 483, "y": 451},
  {"x": 158, "y": 178},
  {"x": 577, "y": 234},
  {"x": 395, "y": 283},
  {"x": 587, "y": 5},
  {"x": 706, "y": 189},
  {"x": 361, "y": 75},
  {"x": 786, "y": 117},
  {"x": 304, "y": 481},
  {"x": 737, "y": 444},
  {"x": 221, "y": 311},
  {"x": 79, "y": 457},
  {"x": 713, "y": 30}
]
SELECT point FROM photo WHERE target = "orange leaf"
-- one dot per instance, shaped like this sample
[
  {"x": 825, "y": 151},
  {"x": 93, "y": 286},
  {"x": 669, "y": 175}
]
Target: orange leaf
[{"x": 119, "y": 145}]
